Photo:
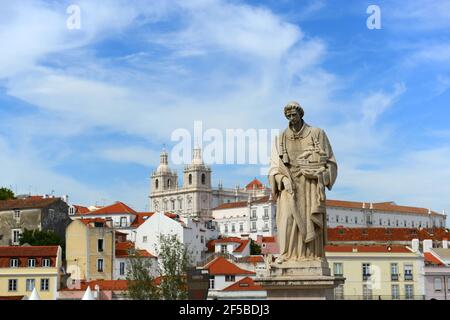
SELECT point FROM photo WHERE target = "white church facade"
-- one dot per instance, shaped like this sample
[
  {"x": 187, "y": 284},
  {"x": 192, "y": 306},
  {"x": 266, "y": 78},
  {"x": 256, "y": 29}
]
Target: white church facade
[{"x": 196, "y": 196}]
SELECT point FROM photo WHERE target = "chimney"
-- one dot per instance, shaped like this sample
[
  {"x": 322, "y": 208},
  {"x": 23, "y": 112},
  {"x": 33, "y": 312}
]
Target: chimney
[
  {"x": 427, "y": 245},
  {"x": 415, "y": 245}
]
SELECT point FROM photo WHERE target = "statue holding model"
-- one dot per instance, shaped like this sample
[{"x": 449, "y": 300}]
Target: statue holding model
[{"x": 302, "y": 165}]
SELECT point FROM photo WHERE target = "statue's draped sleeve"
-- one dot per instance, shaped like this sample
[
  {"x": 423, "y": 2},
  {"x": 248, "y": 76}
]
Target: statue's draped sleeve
[{"x": 331, "y": 171}]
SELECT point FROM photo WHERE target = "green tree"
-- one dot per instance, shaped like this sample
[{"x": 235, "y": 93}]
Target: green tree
[
  {"x": 6, "y": 194},
  {"x": 255, "y": 249},
  {"x": 174, "y": 261},
  {"x": 141, "y": 284},
  {"x": 40, "y": 238}
]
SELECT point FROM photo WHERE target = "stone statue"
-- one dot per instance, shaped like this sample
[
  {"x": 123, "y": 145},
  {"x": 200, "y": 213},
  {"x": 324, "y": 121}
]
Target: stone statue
[{"x": 302, "y": 164}]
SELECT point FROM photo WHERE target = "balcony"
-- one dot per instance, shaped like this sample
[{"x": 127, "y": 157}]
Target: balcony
[
  {"x": 394, "y": 277},
  {"x": 253, "y": 218},
  {"x": 253, "y": 230},
  {"x": 366, "y": 277},
  {"x": 266, "y": 218},
  {"x": 409, "y": 277}
]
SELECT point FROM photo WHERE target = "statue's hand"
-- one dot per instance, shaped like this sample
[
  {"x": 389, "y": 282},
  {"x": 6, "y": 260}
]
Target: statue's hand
[{"x": 287, "y": 185}]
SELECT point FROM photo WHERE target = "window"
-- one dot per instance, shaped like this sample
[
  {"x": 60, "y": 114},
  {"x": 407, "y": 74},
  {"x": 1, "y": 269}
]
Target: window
[
  {"x": 367, "y": 292},
  {"x": 226, "y": 228},
  {"x": 15, "y": 236},
  {"x": 122, "y": 268},
  {"x": 346, "y": 219},
  {"x": 408, "y": 272},
  {"x": 100, "y": 245},
  {"x": 30, "y": 283},
  {"x": 396, "y": 223},
  {"x": 366, "y": 271},
  {"x": 389, "y": 222},
  {"x": 169, "y": 184},
  {"x": 266, "y": 213},
  {"x": 180, "y": 204},
  {"x": 253, "y": 226},
  {"x": 223, "y": 248},
  {"x": 100, "y": 265},
  {"x": 46, "y": 262},
  {"x": 395, "y": 289},
  {"x": 437, "y": 284},
  {"x": 156, "y": 184},
  {"x": 12, "y": 285},
  {"x": 172, "y": 202},
  {"x": 45, "y": 284},
  {"x": 202, "y": 239},
  {"x": 337, "y": 218},
  {"x": 123, "y": 221},
  {"x": 31, "y": 263},
  {"x": 233, "y": 228},
  {"x": 338, "y": 269},
  {"x": 144, "y": 239},
  {"x": 356, "y": 220},
  {"x": 190, "y": 179},
  {"x": 203, "y": 178},
  {"x": 339, "y": 292},
  {"x": 241, "y": 227},
  {"x": 381, "y": 222},
  {"x": 211, "y": 282},
  {"x": 14, "y": 263},
  {"x": 394, "y": 272},
  {"x": 253, "y": 216},
  {"x": 229, "y": 278},
  {"x": 409, "y": 291},
  {"x": 17, "y": 214}
]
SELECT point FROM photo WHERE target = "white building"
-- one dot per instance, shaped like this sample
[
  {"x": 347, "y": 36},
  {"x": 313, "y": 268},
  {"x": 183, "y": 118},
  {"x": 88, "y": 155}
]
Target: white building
[
  {"x": 252, "y": 217},
  {"x": 193, "y": 233},
  {"x": 195, "y": 197},
  {"x": 121, "y": 215},
  {"x": 234, "y": 246},
  {"x": 257, "y": 217},
  {"x": 382, "y": 214}
]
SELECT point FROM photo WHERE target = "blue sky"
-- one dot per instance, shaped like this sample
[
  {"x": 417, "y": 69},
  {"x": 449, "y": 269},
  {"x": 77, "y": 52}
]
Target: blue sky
[{"x": 86, "y": 112}]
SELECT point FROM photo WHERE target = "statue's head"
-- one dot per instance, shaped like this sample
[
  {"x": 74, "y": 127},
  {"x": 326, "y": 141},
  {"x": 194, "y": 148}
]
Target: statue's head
[{"x": 294, "y": 112}]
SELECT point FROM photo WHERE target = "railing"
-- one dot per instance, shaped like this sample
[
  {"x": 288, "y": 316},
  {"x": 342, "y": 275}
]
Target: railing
[
  {"x": 378, "y": 297},
  {"x": 266, "y": 218},
  {"x": 408, "y": 277},
  {"x": 394, "y": 277},
  {"x": 366, "y": 276},
  {"x": 253, "y": 218}
]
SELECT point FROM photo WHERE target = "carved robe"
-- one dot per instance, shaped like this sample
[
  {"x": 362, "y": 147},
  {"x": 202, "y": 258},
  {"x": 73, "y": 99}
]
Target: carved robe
[{"x": 306, "y": 160}]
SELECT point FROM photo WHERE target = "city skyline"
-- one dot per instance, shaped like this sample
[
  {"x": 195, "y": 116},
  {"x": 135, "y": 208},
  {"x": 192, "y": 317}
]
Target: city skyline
[{"x": 86, "y": 112}]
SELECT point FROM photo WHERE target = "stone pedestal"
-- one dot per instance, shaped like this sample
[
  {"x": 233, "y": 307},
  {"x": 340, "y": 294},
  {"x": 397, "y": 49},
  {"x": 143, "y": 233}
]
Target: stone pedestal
[{"x": 304, "y": 280}]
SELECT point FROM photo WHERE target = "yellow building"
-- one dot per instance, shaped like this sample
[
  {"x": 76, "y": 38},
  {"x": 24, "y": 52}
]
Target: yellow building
[
  {"x": 24, "y": 268},
  {"x": 90, "y": 249},
  {"x": 377, "y": 272}
]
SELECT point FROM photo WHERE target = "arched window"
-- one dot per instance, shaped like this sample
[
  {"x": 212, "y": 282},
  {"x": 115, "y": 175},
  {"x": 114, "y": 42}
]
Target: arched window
[
  {"x": 190, "y": 179},
  {"x": 168, "y": 183},
  {"x": 203, "y": 178},
  {"x": 156, "y": 184}
]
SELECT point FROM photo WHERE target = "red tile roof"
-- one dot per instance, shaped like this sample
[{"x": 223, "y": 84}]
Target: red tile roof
[
  {"x": 27, "y": 203},
  {"x": 81, "y": 209},
  {"x": 254, "y": 184},
  {"x": 23, "y": 253},
  {"x": 141, "y": 217},
  {"x": 242, "y": 243},
  {"x": 431, "y": 259},
  {"x": 104, "y": 285},
  {"x": 245, "y": 284},
  {"x": 29, "y": 251},
  {"x": 221, "y": 266},
  {"x": 252, "y": 259},
  {"x": 368, "y": 249},
  {"x": 92, "y": 220},
  {"x": 241, "y": 204},
  {"x": 123, "y": 250},
  {"x": 341, "y": 234},
  {"x": 116, "y": 208},
  {"x": 380, "y": 206},
  {"x": 268, "y": 239}
]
